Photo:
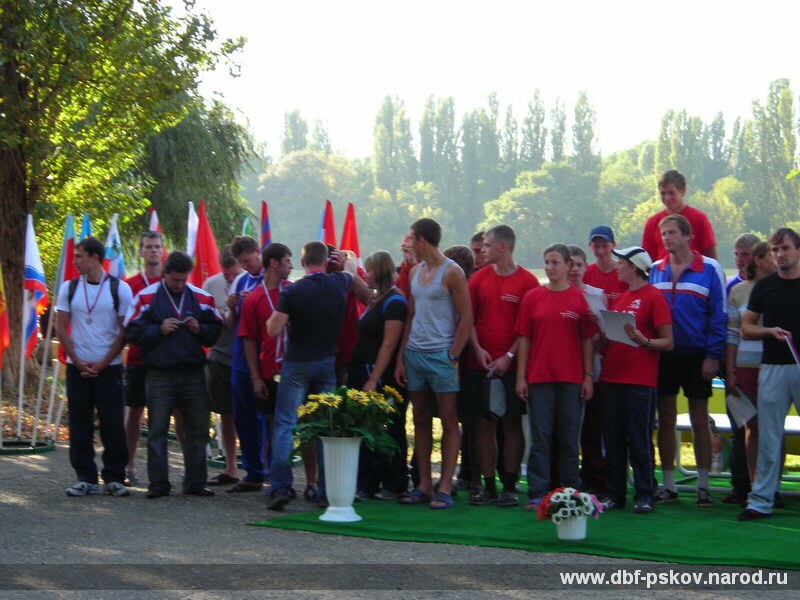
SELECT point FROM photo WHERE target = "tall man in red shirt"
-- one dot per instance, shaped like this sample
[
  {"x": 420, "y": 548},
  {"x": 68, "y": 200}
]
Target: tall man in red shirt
[
  {"x": 496, "y": 293},
  {"x": 672, "y": 187},
  {"x": 151, "y": 249}
]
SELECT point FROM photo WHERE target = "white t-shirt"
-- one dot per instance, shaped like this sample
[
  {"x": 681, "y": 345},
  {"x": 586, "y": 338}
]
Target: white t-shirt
[{"x": 92, "y": 335}]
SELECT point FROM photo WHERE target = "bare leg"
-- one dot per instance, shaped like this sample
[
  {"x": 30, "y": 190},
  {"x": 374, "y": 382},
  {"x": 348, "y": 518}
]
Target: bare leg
[
  {"x": 751, "y": 446},
  {"x": 451, "y": 440},
  {"x": 228, "y": 430},
  {"x": 423, "y": 440},
  {"x": 698, "y": 414},
  {"x": 133, "y": 429}
]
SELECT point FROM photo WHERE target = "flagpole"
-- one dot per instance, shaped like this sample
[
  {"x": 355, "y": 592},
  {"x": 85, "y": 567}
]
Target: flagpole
[
  {"x": 43, "y": 372},
  {"x": 1, "y": 409},
  {"x": 58, "y": 418},
  {"x": 52, "y": 399},
  {"x": 22, "y": 361}
]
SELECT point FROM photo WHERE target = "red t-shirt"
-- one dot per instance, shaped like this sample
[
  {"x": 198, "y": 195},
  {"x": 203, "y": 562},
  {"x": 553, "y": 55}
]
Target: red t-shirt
[
  {"x": 253, "y": 325},
  {"x": 137, "y": 283},
  {"x": 608, "y": 282},
  {"x": 632, "y": 364},
  {"x": 495, "y": 303},
  {"x": 702, "y": 233},
  {"x": 556, "y": 322}
]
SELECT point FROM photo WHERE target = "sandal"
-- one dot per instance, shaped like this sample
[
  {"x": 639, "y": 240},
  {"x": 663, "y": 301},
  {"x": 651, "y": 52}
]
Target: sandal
[
  {"x": 445, "y": 501},
  {"x": 532, "y": 504},
  {"x": 311, "y": 493},
  {"x": 222, "y": 479},
  {"x": 415, "y": 496}
]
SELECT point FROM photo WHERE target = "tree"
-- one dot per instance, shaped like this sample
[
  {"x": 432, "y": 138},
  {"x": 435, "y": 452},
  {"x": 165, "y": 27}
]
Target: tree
[
  {"x": 534, "y": 136},
  {"x": 393, "y": 160},
  {"x": 295, "y": 133},
  {"x": 85, "y": 84},
  {"x": 558, "y": 128},
  {"x": 320, "y": 140},
  {"x": 583, "y": 135},
  {"x": 203, "y": 156},
  {"x": 427, "y": 141},
  {"x": 509, "y": 149}
]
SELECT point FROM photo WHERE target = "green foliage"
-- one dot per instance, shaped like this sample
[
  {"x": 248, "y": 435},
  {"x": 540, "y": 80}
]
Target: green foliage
[
  {"x": 295, "y": 133},
  {"x": 349, "y": 413}
]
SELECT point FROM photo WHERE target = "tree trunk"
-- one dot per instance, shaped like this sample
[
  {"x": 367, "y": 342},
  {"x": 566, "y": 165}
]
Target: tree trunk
[{"x": 13, "y": 208}]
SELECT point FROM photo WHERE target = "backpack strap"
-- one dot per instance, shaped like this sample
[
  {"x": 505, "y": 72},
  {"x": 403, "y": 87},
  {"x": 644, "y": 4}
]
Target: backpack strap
[{"x": 113, "y": 285}]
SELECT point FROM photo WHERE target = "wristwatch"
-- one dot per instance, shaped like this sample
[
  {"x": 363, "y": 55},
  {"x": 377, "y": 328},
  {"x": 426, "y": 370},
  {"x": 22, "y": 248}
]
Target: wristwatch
[{"x": 510, "y": 355}]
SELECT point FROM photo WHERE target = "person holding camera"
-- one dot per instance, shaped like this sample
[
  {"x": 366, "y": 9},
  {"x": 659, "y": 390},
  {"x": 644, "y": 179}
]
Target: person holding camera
[{"x": 171, "y": 322}]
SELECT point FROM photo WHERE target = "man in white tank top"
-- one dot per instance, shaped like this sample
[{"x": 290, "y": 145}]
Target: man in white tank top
[{"x": 436, "y": 331}]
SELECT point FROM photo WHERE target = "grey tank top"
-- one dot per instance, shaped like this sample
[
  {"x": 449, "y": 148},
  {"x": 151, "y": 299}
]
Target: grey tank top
[{"x": 435, "y": 317}]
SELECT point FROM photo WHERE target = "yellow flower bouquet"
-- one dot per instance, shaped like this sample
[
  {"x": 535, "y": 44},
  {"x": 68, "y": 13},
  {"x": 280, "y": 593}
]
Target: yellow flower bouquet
[{"x": 347, "y": 412}]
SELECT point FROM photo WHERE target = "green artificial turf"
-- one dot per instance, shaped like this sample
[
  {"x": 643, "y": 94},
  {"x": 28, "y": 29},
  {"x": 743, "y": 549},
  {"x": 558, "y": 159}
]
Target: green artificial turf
[{"x": 679, "y": 532}]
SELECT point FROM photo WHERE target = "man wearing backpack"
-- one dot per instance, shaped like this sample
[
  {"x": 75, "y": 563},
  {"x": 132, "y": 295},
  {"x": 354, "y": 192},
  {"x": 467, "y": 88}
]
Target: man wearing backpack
[{"x": 89, "y": 315}]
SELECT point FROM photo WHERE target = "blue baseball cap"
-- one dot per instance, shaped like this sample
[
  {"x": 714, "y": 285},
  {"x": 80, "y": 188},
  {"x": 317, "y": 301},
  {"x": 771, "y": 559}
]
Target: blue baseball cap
[{"x": 602, "y": 231}]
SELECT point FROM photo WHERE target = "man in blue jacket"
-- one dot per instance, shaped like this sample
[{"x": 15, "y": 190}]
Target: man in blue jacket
[
  {"x": 694, "y": 287},
  {"x": 171, "y": 321}
]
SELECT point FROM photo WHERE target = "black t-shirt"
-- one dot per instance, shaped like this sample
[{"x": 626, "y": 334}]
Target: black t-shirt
[
  {"x": 778, "y": 301},
  {"x": 371, "y": 326},
  {"x": 315, "y": 306}
]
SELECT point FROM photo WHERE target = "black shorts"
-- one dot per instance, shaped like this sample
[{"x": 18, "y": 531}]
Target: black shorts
[
  {"x": 683, "y": 371},
  {"x": 135, "y": 395},
  {"x": 218, "y": 384},
  {"x": 473, "y": 401}
]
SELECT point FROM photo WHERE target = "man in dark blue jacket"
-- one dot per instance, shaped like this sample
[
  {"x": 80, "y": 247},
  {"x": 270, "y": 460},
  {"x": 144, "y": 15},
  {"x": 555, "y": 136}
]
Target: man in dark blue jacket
[{"x": 171, "y": 321}]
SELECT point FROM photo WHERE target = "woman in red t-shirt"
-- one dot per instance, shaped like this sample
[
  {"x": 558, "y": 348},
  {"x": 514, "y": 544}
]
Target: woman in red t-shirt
[
  {"x": 628, "y": 382},
  {"x": 555, "y": 358}
]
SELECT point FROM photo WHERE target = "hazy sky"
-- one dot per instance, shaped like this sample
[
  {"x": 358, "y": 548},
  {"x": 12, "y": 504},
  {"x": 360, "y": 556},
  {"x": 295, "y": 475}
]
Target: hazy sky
[{"x": 336, "y": 61}]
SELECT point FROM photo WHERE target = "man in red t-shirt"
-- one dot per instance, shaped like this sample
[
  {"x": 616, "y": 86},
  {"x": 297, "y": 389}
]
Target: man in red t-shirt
[
  {"x": 603, "y": 272},
  {"x": 263, "y": 354},
  {"x": 496, "y": 293},
  {"x": 628, "y": 382},
  {"x": 151, "y": 247},
  {"x": 672, "y": 187}
]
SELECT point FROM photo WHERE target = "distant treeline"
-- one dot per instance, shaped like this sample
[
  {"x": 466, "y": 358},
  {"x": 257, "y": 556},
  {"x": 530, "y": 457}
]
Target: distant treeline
[{"x": 529, "y": 171}]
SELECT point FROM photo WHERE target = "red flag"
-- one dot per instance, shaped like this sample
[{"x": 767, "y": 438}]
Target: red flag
[
  {"x": 327, "y": 229},
  {"x": 266, "y": 234},
  {"x": 5, "y": 329},
  {"x": 206, "y": 255},
  {"x": 155, "y": 225},
  {"x": 350, "y": 232}
]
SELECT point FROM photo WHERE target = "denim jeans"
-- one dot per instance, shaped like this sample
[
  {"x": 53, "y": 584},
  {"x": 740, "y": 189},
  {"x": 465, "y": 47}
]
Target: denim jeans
[
  {"x": 251, "y": 426},
  {"x": 298, "y": 380},
  {"x": 84, "y": 395},
  {"x": 555, "y": 412},
  {"x": 184, "y": 389}
]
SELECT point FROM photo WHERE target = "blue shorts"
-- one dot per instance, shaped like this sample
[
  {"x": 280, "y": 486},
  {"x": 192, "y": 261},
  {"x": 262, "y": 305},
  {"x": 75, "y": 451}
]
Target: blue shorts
[{"x": 431, "y": 371}]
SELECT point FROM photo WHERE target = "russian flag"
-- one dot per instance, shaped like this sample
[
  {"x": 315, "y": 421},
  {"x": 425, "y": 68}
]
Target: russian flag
[
  {"x": 266, "y": 234},
  {"x": 114, "y": 261},
  {"x": 327, "y": 228},
  {"x": 35, "y": 286}
]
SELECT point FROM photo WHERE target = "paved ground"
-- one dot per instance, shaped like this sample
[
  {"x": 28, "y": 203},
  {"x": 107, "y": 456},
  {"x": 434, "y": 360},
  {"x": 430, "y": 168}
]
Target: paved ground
[{"x": 201, "y": 548}]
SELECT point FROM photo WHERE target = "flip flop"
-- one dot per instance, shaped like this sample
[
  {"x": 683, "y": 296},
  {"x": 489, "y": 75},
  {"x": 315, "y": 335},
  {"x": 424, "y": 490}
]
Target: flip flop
[
  {"x": 445, "y": 500},
  {"x": 222, "y": 479},
  {"x": 415, "y": 496}
]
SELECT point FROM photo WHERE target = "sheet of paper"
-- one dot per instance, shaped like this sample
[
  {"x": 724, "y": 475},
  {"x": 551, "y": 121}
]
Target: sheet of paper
[
  {"x": 596, "y": 306},
  {"x": 741, "y": 407},
  {"x": 793, "y": 350},
  {"x": 615, "y": 326}
]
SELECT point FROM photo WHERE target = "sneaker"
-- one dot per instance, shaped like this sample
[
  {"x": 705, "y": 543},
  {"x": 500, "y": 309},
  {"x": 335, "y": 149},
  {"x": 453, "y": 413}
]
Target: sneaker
[
  {"x": 385, "y": 495},
  {"x": 311, "y": 494},
  {"x": 508, "y": 499},
  {"x": 278, "y": 499},
  {"x": 82, "y": 488},
  {"x": 704, "y": 498},
  {"x": 611, "y": 504},
  {"x": 643, "y": 507},
  {"x": 115, "y": 488},
  {"x": 131, "y": 479},
  {"x": 482, "y": 498},
  {"x": 665, "y": 496}
]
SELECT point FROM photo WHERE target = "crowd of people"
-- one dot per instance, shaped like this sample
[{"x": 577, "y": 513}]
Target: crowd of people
[{"x": 469, "y": 336}]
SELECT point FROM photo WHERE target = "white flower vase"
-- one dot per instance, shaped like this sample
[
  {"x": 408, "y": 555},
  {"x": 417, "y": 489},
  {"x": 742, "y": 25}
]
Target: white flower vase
[
  {"x": 573, "y": 528},
  {"x": 341, "y": 473}
]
